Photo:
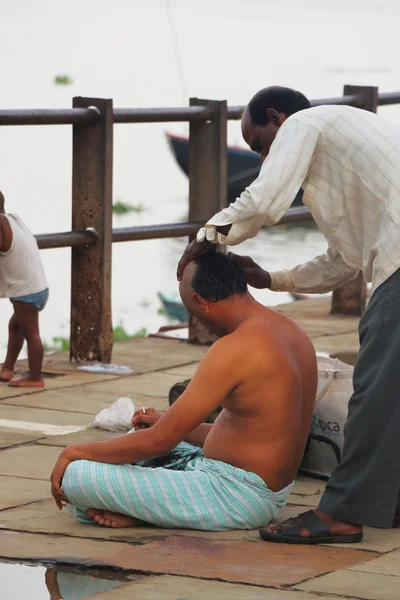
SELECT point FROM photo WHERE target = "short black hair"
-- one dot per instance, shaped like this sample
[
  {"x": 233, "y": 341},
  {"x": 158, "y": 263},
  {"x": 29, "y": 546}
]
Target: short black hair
[
  {"x": 218, "y": 277},
  {"x": 282, "y": 99},
  {"x": 2, "y": 201}
]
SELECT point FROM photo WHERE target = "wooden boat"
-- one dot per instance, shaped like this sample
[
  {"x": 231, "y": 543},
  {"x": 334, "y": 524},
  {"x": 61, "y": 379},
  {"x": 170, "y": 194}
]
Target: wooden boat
[
  {"x": 243, "y": 166},
  {"x": 174, "y": 308}
]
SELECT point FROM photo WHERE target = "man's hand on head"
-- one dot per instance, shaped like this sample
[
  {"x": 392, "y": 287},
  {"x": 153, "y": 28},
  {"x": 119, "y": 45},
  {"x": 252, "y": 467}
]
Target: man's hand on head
[
  {"x": 192, "y": 251},
  {"x": 255, "y": 275}
]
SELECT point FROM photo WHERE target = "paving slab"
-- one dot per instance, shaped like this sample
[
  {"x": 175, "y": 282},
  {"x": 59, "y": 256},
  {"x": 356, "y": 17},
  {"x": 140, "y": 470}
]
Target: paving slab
[
  {"x": 44, "y": 416},
  {"x": 142, "y": 355},
  {"x": 79, "y": 399},
  {"x": 16, "y": 491},
  {"x": 370, "y": 586},
  {"x": 184, "y": 371},
  {"x": 256, "y": 563},
  {"x": 10, "y": 437},
  {"x": 149, "y": 384},
  {"x": 316, "y": 327},
  {"x": 30, "y": 462},
  {"x": 378, "y": 540},
  {"x": 79, "y": 437},
  {"x": 388, "y": 564},
  {"x": 43, "y": 517},
  {"x": 63, "y": 381},
  {"x": 184, "y": 588},
  {"x": 345, "y": 342},
  {"x": 312, "y": 500},
  {"x": 307, "y": 486},
  {"x": 75, "y": 551},
  {"x": 9, "y": 392},
  {"x": 315, "y": 306}
]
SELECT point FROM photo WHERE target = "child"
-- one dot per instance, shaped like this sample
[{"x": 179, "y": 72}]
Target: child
[{"x": 23, "y": 281}]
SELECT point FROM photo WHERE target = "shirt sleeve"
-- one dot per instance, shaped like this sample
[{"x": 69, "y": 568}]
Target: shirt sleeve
[
  {"x": 266, "y": 200},
  {"x": 321, "y": 274}
]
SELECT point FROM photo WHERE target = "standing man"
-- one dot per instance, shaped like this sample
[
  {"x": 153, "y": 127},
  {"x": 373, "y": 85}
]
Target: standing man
[{"x": 347, "y": 160}]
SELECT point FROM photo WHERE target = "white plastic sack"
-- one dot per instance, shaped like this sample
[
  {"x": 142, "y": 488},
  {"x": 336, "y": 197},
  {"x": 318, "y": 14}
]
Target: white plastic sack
[
  {"x": 325, "y": 442},
  {"x": 116, "y": 418}
]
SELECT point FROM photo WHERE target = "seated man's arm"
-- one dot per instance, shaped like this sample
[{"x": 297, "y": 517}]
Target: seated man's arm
[
  {"x": 198, "y": 436},
  {"x": 149, "y": 417},
  {"x": 215, "y": 377}
]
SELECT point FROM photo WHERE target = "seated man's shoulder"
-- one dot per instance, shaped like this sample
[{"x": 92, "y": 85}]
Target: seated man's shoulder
[{"x": 251, "y": 336}]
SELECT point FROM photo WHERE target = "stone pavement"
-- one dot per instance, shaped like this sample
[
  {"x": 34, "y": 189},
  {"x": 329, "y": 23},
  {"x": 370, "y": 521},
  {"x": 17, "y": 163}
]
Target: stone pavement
[{"x": 173, "y": 564}]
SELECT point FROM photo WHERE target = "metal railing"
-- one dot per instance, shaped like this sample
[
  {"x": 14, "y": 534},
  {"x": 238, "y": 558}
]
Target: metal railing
[{"x": 92, "y": 235}]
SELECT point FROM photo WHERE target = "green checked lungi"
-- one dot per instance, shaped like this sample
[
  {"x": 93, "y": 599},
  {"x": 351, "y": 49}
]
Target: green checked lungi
[
  {"x": 76, "y": 586},
  {"x": 183, "y": 490}
]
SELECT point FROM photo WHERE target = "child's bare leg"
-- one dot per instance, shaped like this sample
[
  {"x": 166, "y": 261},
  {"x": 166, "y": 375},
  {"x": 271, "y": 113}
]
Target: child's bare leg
[
  {"x": 28, "y": 318},
  {"x": 14, "y": 347}
]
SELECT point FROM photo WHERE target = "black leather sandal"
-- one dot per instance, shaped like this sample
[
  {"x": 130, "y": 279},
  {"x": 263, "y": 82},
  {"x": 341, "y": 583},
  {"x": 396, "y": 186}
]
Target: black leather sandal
[{"x": 319, "y": 532}]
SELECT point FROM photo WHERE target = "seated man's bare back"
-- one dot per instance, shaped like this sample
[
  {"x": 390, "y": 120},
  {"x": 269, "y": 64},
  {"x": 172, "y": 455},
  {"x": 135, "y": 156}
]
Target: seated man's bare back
[
  {"x": 262, "y": 370},
  {"x": 264, "y": 425}
]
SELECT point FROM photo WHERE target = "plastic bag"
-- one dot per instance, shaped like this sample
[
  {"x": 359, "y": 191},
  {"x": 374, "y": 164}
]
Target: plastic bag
[
  {"x": 106, "y": 368},
  {"x": 326, "y": 438},
  {"x": 116, "y": 418}
]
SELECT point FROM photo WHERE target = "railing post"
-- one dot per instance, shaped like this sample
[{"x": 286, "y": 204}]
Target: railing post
[
  {"x": 208, "y": 178},
  {"x": 91, "y": 319},
  {"x": 350, "y": 299}
]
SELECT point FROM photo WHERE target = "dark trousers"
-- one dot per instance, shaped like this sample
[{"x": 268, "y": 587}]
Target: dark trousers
[{"x": 364, "y": 488}]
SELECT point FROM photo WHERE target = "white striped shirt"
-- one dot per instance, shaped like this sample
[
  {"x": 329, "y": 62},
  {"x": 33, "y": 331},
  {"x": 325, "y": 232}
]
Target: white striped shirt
[{"x": 347, "y": 160}]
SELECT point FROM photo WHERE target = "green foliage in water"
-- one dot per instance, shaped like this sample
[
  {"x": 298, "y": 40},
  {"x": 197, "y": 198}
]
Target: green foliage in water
[
  {"x": 120, "y": 335},
  {"x": 57, "y": 344},
  {"x": 63, "y": 80},
  {"x": 122, "y": 208}
]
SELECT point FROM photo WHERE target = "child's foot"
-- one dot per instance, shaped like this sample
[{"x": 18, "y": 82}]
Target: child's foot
[
  {"x": 6, "y": 374},
  {"x": 114, "y": 520},
  {"x": 26, "y": 382}
]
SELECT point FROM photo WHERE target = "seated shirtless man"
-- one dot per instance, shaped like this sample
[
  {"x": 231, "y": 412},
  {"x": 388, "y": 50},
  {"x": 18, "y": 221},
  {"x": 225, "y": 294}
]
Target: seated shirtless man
[{"x": 234, "y": 474}]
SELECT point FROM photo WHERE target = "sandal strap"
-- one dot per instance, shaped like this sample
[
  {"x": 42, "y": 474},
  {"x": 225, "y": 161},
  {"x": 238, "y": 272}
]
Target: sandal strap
[
  {"x": 317, "y": 528},
  {"x": 310, "y": 521}
]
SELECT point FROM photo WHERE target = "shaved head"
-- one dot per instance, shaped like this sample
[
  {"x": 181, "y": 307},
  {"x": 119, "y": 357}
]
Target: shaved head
[{"x": 208, "y": 282}]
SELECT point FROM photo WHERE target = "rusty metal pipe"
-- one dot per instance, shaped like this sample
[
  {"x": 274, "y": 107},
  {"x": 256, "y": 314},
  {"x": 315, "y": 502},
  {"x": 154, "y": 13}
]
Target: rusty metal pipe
[
  {"x": 388, "y": 98},
  {"x": 76, "y": 116},
  {"x": 69, "y": 239},
  {"x": 235, "y": 112},
  {"x": 162, "y": 115},
  {"x": 68, "y": 116},
  {"x": 147, "y": 232}
]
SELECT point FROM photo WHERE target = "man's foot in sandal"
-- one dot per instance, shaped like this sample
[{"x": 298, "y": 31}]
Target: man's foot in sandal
[{"x": 312, "y": 527}]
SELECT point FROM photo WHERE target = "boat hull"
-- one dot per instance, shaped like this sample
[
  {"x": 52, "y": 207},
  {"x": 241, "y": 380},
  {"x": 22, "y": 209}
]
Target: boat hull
[{"x": 243, "y": 166}]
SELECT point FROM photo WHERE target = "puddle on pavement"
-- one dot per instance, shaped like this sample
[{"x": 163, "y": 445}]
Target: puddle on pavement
[{"x": 41, "y": 583}]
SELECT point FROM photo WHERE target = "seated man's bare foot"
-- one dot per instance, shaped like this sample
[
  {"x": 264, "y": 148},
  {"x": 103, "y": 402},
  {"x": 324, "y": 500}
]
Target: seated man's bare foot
[
  {"x": 6, "y": 374},
  {"x": 26, "y": 382},
  {"x": 94, "y": 512},
  {"x": 107, "y": 518}
]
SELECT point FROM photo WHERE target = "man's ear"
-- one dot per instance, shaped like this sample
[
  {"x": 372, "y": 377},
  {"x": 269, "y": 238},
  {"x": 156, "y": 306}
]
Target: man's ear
[
  {"x": 201, "y": 303},
  {"x": 275, "y": 117}
]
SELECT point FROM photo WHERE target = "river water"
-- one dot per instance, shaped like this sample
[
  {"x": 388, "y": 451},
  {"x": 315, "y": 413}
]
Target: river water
[{"x": 127, "y": 50}]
